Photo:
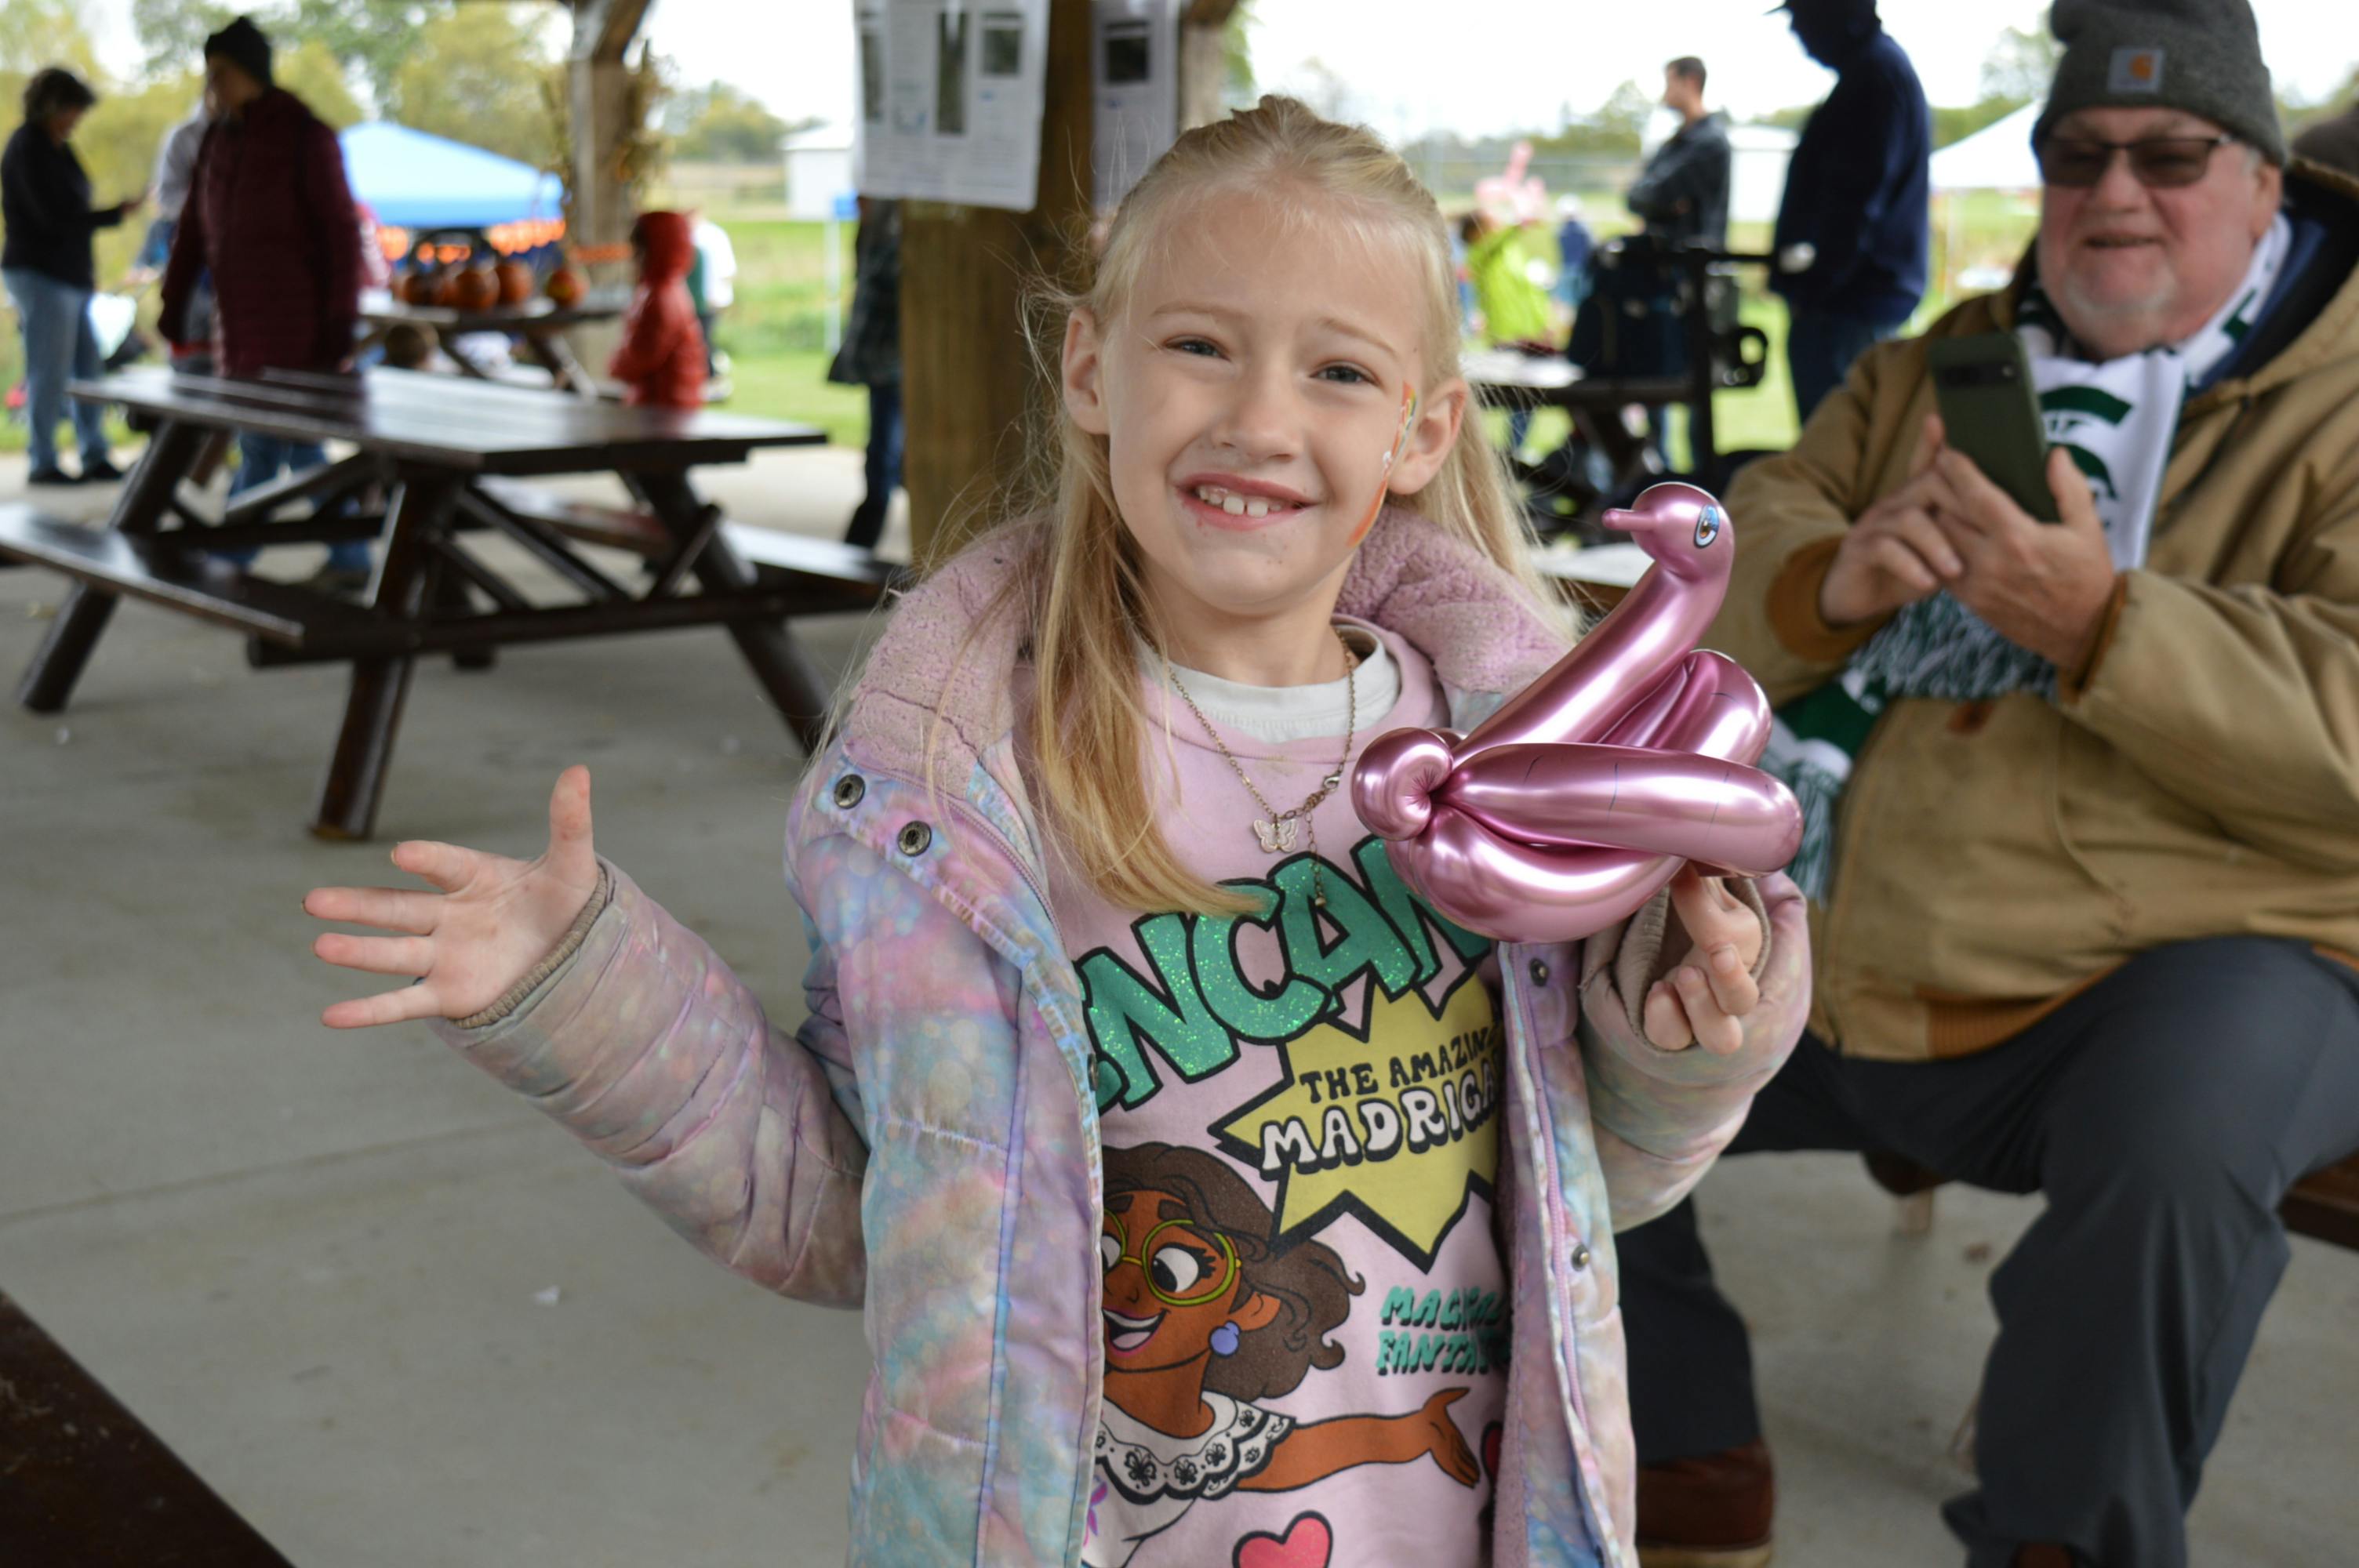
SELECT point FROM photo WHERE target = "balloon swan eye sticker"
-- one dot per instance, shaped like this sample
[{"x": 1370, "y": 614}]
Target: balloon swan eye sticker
[{"x": 1707, "y": 527}]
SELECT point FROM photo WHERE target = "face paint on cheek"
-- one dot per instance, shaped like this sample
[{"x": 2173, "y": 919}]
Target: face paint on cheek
[{"x": 1384, "y": 475}]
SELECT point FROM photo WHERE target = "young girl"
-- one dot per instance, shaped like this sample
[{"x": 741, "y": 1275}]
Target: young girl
[{"x": 1211, "y": 1200}]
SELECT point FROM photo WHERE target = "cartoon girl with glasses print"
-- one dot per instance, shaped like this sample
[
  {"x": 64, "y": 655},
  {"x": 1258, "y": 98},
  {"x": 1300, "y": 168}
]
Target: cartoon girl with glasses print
[{"x": 1204, "y": 1315}]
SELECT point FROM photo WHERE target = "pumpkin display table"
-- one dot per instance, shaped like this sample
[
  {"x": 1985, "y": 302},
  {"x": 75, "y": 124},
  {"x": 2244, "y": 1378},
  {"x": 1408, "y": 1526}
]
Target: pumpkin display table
[{"x": 539, "y": 323}]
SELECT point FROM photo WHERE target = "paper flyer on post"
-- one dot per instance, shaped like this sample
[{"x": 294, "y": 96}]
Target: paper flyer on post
[{"x": 951, "y": 94}]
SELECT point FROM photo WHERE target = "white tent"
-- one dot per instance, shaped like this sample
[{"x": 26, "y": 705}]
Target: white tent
[{"x": 1996, "y": 158}]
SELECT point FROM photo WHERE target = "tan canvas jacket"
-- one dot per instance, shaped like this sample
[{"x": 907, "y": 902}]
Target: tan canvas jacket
[{"x": 2198, "y": 775}]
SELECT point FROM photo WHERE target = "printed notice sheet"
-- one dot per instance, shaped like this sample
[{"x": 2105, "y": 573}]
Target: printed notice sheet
[
  {"x": 950, "y": 94},
  {"x": 1134, "y": 47}
]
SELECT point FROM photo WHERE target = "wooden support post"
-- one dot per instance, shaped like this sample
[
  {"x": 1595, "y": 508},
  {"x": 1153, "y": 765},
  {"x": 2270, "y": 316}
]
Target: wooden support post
[
  {"x": 598, "y": 102},
  {"x": 1204, "y": 61},
  {"x": 967, "y": 375}
]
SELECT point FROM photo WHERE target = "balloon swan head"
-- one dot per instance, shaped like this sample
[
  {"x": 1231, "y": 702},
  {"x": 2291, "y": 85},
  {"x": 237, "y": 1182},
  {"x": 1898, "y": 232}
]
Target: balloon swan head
[{"x": 1684, "y": 530}]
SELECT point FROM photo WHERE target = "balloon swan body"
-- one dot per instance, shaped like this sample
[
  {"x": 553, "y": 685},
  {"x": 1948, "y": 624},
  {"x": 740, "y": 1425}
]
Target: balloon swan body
[{"x": 1566, "y": 809}]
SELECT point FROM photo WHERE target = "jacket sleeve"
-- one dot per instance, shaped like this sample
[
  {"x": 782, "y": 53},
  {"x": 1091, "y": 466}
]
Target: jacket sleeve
[
  {"x": 1792, "y": 511},
  {"x": 1662, "y": 1117},
  {"x": 650, "y": 336},
  {"x": 649, "y": 1050},
  {"x": 2244, "y": 701},
  {"x": 187, "y": 262},
  {"x": 328, "y": 198},
  {"x": 1673, "y": 183}
]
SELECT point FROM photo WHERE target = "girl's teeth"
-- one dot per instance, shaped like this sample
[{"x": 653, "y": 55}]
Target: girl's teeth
[{"x": 1236, "y": 505}]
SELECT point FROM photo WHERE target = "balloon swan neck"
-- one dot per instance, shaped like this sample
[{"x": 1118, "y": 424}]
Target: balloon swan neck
[{"x": 1584, "y": 792}]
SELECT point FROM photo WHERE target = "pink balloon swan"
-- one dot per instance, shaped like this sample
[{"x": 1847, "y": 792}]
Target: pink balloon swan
[{"x": 1566, "y": 809}]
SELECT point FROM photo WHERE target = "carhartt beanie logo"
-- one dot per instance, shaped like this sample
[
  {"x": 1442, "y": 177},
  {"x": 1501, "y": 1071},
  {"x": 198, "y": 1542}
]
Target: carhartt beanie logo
[
  {"x": 245, "y": 46},
  {"x": 2200, "y": 56}
]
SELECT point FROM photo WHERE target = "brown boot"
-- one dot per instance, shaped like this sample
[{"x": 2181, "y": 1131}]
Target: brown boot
[{"x": 1710, "y": 1512}]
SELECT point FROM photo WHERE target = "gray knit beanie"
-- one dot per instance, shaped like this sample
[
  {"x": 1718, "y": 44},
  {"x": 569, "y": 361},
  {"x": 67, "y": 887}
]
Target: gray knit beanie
[{"x": 2202, "y": 55}]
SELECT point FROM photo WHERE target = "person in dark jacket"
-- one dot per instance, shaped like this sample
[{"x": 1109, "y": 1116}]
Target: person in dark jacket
[
  {"x": 44, "y": 199},
  {"x": 1853, "y": 231},
  {"x": 870, "y": 356},
  {"x": 270, "y": 215},
  {"x": 1682, "y": 193}
]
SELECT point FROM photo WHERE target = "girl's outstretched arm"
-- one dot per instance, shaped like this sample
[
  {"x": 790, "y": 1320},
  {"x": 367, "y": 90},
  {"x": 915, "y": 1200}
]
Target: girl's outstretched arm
[{"x": 559, "y": 977}]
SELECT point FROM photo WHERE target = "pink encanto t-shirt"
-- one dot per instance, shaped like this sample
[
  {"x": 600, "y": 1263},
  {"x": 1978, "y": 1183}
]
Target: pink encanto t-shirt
[{"x": 1305, "y": 1305}]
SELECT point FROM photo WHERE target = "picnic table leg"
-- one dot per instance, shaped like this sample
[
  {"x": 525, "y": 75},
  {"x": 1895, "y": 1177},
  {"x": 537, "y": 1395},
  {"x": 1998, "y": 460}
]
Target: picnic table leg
[
  {"x": 50, "y": 679},
  {"x": 354, "y": 782},
  {"x": 802, "y": 697},
  {"x": 556, "y": 356}
]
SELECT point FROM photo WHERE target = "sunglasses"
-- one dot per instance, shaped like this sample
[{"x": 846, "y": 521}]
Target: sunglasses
[{"x": 2160, "y": 163}]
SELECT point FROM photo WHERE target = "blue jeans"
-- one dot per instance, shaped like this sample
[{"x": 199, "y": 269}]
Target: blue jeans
[
  {"x": 1820, "y": 348},
  {"x": 59, "y": 347},
  {"x": 260, "y": 460}
]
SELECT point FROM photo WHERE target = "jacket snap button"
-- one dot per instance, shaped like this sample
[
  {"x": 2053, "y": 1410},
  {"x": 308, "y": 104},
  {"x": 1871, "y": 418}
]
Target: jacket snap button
[
  {"x": 1539, "y": 972},
  {"x": 1580, "y": 1255},
  {"x": 915, "y": 837},
  {"x": 849, "y": 789}
]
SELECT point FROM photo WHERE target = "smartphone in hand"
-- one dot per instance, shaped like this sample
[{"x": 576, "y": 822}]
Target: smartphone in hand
[{"x": 1991, "y": 412}]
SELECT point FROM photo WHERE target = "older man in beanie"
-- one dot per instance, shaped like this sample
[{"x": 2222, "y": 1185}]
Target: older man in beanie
[
  {"x": 2083, "y": 803},
  {"x": 270, "y": 215}
]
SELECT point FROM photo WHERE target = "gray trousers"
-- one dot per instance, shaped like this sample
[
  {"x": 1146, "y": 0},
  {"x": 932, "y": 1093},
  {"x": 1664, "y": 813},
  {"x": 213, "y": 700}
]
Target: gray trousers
[{"x": 2162, "y": 1113}]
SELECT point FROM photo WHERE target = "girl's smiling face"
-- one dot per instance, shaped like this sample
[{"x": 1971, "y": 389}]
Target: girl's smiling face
[{"x": 1252, "y": 391}]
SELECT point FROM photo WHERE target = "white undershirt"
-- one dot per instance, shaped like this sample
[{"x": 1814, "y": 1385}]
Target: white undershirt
[{"x": 1280, "y": 713}]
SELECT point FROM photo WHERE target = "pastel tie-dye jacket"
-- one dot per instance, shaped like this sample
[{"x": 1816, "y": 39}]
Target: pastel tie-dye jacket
[{"x": 924, "y": 1145}]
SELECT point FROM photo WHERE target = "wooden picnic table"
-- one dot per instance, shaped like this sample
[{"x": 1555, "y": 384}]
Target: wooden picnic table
[
  {"x": 541, "y": 323},
  {"x": 82, "y": 1481},
  {"x": 435, "y": 460}
]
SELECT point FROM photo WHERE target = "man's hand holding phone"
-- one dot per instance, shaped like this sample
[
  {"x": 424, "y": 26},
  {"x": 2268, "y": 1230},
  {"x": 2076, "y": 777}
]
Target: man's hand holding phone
[{"x": 2042, "y": 586}]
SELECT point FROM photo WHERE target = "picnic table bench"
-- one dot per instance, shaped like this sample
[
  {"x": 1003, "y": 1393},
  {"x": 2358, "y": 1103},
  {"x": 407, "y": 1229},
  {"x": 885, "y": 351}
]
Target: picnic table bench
[
  {"x": 83, "y": 1482},
  {"x": 449, "y": 459}
]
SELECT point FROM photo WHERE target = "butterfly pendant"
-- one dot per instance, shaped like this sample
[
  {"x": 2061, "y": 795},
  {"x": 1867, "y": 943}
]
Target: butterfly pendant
[{"x": 1276, "y": 837}]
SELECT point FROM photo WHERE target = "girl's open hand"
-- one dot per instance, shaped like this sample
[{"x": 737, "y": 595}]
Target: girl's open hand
[
  {"x": 1705, "y": 1000},
  {"x": 492, "y": 920}
]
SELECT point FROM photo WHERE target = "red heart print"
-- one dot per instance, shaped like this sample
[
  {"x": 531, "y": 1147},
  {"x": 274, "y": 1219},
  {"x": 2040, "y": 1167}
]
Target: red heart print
[{"x": 1307, "y": 1544}]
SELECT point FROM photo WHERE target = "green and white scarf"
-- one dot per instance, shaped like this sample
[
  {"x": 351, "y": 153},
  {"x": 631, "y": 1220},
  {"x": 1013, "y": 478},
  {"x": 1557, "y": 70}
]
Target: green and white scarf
[{"x": 2117, "y": 418}]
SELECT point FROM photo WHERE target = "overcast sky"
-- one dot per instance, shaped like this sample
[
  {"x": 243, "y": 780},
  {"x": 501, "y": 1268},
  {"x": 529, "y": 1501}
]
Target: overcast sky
[{"x": 1508, "y": 64}]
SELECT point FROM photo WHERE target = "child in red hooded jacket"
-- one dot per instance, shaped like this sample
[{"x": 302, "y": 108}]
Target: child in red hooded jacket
[{"x": 662, "y": 361}]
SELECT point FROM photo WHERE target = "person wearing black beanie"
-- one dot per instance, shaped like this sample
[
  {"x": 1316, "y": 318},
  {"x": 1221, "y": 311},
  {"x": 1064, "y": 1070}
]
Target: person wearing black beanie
[
  {"x": 270, "y": 216},
  {"x": 245, "y": 46}
]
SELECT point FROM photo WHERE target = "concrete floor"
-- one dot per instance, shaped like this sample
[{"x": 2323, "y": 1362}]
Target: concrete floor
[{"x": 397, "y": 1318}]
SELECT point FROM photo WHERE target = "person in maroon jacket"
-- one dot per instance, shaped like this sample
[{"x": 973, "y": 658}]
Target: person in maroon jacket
[
  {"x": 661, "y": 362},
  {"x": 270, "y": 215}
]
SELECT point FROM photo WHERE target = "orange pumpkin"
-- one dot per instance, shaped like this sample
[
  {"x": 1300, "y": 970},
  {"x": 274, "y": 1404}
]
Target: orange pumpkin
[
  {"x": 475, "y": 288},
  {"x": 564, "y": 287},
  {"x": 416, "y": 287},
  {"x": 515, "y": 281}
]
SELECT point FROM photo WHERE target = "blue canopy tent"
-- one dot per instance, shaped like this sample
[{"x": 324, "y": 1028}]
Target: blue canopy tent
[{"x": 413, "y": 180}]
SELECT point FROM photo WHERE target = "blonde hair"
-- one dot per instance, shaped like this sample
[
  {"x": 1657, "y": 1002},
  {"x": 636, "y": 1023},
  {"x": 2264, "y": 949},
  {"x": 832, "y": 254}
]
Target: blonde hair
[{"x": 1080, "y": 582}]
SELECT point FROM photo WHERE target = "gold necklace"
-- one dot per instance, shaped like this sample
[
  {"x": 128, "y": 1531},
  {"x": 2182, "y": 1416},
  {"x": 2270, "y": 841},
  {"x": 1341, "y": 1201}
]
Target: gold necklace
[{"x": 1274, "y": 829}]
